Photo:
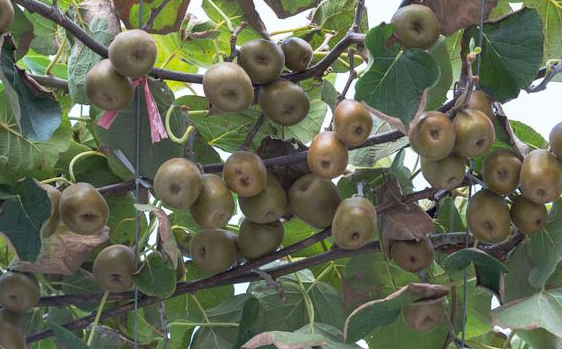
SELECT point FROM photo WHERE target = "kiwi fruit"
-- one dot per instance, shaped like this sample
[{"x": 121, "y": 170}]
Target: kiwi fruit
[
  {"x": 475, "y": 133},
  {"x": 555, "y": 140},
  {"x": 114, "y": 267},
  {"x": 444, "y": 174},
  {"x": 19, "y": 292},
  {"x": 51, "y": 225},
  {"x": 245, "y": 173},
  {"x": 214, "y": 250},
  {"x": 527, "y": 216},
  {"x": 352, "y": 122},
  {"x": 268, "y": 205},
  {"x": 416, "y": 26},
  {"x": 314, "y": 200},
  {"x": 541, "y": 177},
  {"x": 6, "y": 15},
  {"x": 227, "y": 87},
  {"x": 412, "y": 255},
  {"x": 12, "y": 333},
  {"x": 424, "y": 315},
  {"x": 262, "y": 59},
  {"x": 327, "y": 156},
  {"x": 133, "y": 53},
  {"x": 106, "y": 88},
  {"x": 256, "y": 240},
  {"x": 215, "y": 206},
  {"x": 433, "y": 136},
  {"x": 479, "y": 100},
  {"x": 284, "y": 102},
  {"x": 501, "y": 172},
  {"x": 487, "y": 216},
  {"x": 82, "y": 209},
  {"x": 178, "y": 183},
  {"x": 354, "y": 224},
  {"x": 298, "y": 53}
]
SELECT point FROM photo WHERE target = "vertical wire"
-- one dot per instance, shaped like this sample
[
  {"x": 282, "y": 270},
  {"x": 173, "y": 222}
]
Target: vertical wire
[
  {"x": 137, "y": 192},
  {"x": 466, "y": 242}
]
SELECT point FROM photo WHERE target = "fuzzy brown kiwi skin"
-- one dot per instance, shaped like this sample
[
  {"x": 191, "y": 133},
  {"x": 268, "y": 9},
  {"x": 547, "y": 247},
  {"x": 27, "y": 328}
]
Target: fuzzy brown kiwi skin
[{"x": 245, "y": 173}]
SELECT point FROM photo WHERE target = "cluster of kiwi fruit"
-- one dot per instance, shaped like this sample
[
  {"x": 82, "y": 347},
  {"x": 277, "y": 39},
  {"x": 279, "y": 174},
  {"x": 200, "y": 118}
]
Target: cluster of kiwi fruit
[
  {"x": 132, "y": 54},
  {"x": 230, "y": 86},
  {"x": 539, "y": 180},
  {"x": 19, "y": 292}
]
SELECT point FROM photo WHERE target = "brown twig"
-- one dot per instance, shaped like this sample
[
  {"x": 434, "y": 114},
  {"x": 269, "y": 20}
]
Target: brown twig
[
  {"x": 253, "y": 132},
  {"x": 359, "y": 11},
  {"x": 233, "y": 39},
  {"x": 154, "y": 13},
  {"x": 554, "y": 70}
]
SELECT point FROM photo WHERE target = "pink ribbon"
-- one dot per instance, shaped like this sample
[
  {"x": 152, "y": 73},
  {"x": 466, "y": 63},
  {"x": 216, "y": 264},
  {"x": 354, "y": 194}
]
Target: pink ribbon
[{"x": 157, "y": 130}]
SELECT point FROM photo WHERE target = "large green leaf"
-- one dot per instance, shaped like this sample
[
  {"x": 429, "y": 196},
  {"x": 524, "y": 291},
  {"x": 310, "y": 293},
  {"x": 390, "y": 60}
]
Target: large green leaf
[
  {"x": 36, "y": 110},
  {"x": 448, "y": 218},
  {"x": 121, "y": 134},
  {"x": 103, "y": 27},
  {"x": 67, "y": 337},
  {"x": 288, "y": 8},
  {"x": 168, "y": 20},
  {"x": 22, "y": 31},
  {"x": 228, "y": 131},
  {"x": 511, "y": 55},
  {"x": 384, "y": 312},
  {"x": 438, "y": 93},
  {"x": 156, "y": 278},
  {"x": 541, "y": 310},
  {"x": 233, "y": 11},
  {"x": 81, "y": 282},
  {"x": 528, "y": 135},
  {"x": 44, "y": 34},
  {"x": 222, "y": 337},
  {"x": 22, "y": 216},
  {"x": 305, "y": 130},
  {"x": 297, "y": 230},
  {"x": 545, "y": 247},
  {"x": 550, "y": 12},
  {"x": 395, "y": 79},
  {"x": 381, "y": 278}
]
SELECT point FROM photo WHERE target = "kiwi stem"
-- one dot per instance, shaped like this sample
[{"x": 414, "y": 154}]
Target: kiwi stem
[
  {"x": 292, "y": 30},
  {"x": 57, "y": 56},
  {"x": 79, "y": 157},
  {"x": 185, "y": 137},
  {"x": 83, "y": 23},
  {"x": 223, "y": 15},
  {"x": 56, "y": 179},
  {"x": 97, "y": 320}
]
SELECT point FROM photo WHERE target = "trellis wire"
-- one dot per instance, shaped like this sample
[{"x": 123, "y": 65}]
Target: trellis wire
[
  {"x": 137, "y": 192},
  {"x": 465, "y": 273}
]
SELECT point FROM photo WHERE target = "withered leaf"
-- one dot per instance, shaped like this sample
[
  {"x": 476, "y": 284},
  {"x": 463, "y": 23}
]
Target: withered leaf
[
  {"x": 63, "y": 252},
  {"x": 403, "y": 221}
]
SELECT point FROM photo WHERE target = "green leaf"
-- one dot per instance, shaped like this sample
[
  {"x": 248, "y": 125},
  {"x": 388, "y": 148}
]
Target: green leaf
[
  {"x": 539, "y": 339},
  {"x": 511, "y": 57},
  {"x": 22, "y": 31},
  {"x": 305, "y": 130},
  {"x": 488, "y": 269},
  {"x": 36, "y": 110},
  {"x": 233, "y": 11},
  {"x": 121, "y": 219},
  {"x": 516, "y": 282},
  {"x": 545, "y": 247},
  {"x": 550, "y": 12},
  {"x": 332, "y": 336},
  {"x": 81, "y": 282},
  {"x": 297, "y": 230},
  {"x": 121, "y": 135},
  {"x": 168, "y": 20},
  {"x": 228, "y": 131},
  {"x": 44, "y": 34},
  {"x": 448, "y": 218},
  {"x": 67, "y": 337},
  {"x": 329, "y": 95},
  {"x": 438, "y": 93},
  {"x": 541, "y": 310},
  {"x": 21, "y": 219},
  {"x": 156, "y": 278},
  {"x": 395, "y": 79},
  {"x": 248, "y": 318},
  {"x": 368, "y": 156},
  {"x": 222, "y": 337},
  {"x": 380, "y": 279},
  {"x": 38, "y": 64},
  {"x": 528, "y": 135},
  {"x": 289, "y": 340},
  {"x": 402, "y": 173},
  {"x": 288, "y": 8},
  {"x": 384, "y": 312},
  {"x": 82, "y": 59},
  {"x": 398, "y": 335}
]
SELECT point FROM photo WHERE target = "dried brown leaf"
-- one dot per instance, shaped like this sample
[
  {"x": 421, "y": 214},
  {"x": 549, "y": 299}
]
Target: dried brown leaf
[
  {"x": 391, "y": 120},
  {"x": 285, "y": 174},
  {"x": 63, "y": 253},
  {"x": 403, "y": 221},
  {"x": 457, "y": 14},
  {"x": 253, "y": 17}
]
